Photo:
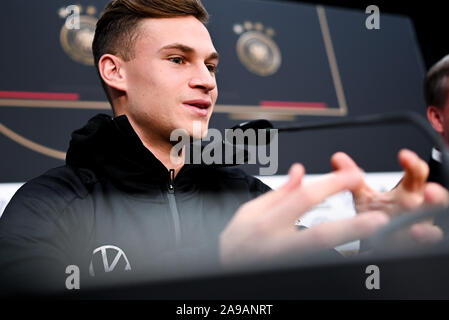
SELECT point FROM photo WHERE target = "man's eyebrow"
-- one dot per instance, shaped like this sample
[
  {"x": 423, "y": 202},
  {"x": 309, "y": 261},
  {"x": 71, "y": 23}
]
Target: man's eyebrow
[
  {"x": 178, "y": 46},
  {"x": 187, "y": 49},
  {"x": 213, "y": 56}
]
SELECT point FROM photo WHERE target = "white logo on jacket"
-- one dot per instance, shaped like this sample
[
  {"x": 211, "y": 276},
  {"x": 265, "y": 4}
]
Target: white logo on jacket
[{"x": 118, "y": 254}]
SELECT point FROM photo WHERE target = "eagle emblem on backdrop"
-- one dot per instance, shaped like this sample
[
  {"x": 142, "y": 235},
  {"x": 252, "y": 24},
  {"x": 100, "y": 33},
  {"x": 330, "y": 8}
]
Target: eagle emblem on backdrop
[
  {"x": 256, "y": 48},
  {"x": 77, "y": 33}
]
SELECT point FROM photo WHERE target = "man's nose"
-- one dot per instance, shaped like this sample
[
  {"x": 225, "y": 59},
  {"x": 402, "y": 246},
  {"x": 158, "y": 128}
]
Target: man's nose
[{"x": 203, "y": 78}]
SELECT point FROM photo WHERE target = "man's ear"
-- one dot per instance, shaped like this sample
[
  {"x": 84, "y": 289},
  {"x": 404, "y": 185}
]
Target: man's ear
[
  {"x": 435, "y": 116},
  {"x": 111, "y": 71}
]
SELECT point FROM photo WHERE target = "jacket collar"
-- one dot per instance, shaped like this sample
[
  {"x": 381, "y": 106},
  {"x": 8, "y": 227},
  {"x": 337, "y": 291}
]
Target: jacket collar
[{"x": 112, "y": 150}]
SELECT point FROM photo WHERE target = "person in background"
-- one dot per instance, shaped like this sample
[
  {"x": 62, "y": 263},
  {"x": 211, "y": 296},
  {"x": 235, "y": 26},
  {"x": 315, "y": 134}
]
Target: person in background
[{"x": 436, "y": 93}]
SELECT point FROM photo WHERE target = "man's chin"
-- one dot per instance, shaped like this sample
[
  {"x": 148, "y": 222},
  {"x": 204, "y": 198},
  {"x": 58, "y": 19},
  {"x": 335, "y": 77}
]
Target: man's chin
[
  {"x": 198, "y": 129},
  {"x": 194, "y": 130},
  {"x": 199, "y": 135}
]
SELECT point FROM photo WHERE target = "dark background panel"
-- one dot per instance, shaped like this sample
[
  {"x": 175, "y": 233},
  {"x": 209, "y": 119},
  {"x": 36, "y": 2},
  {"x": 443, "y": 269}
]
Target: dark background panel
[
  {"x": 19, "y": 163},
  {"x": 429, "y": 19},
  {"x": 304, "y": 74},
  {"x": 381, "y": 71},
  {"x": 32, "y": 58}
]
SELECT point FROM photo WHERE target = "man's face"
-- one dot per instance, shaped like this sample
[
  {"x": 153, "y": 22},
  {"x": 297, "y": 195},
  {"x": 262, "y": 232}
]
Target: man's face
[
  {"x": 445, "y": 120},
  {"x": 171, "y": 80}
]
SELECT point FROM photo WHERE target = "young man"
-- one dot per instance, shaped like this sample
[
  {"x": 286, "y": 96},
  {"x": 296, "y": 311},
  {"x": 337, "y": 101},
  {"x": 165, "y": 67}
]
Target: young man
[{"x": 120, "y": 205}]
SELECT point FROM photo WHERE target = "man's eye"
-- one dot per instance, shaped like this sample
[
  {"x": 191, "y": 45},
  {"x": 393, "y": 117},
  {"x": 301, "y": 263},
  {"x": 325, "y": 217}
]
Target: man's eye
[
  {"x": 177, "y": 60},
  {"x": 212, "y": 68}
]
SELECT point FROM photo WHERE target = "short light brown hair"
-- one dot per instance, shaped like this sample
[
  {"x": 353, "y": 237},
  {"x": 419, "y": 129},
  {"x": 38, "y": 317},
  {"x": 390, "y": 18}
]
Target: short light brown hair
[
  {"x": 117, "y": 28},
  {"x": 436, "y": 86}
]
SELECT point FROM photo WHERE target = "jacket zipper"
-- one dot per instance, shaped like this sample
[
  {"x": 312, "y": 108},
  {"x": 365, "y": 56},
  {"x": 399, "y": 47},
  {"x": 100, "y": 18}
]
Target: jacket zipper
[{"x": 173, "y": 207}]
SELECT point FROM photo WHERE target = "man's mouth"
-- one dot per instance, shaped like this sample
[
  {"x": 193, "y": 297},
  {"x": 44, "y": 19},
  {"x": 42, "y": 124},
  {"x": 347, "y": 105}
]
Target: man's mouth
[{"x": 199, "y": 107}]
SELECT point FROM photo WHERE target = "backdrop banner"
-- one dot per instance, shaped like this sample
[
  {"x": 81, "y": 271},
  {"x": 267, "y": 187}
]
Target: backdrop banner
[{"x": 289, "y": 63}]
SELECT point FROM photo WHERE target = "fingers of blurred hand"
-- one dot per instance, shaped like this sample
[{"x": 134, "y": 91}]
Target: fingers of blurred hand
[
  {"x": 436, "y": 194},
  {"x": 331, "y": 234},
  {"x": 273, "y": 197},
  {"x": 426, "y": 233},
  {"x": 301, "y": 199},
  {"x": 295, "y": 175},
  {"x": 341, "y": 161},
  {"x": 416, "y": 170}
]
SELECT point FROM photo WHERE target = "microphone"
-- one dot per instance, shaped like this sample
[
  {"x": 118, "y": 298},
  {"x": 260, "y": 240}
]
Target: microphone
[
  {"x": 255, "y": 125},
  {"x": 362, "y": 121}
]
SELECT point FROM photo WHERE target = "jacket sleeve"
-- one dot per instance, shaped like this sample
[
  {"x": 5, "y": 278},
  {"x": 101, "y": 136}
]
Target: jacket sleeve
[{"x": 32, "y": 254}]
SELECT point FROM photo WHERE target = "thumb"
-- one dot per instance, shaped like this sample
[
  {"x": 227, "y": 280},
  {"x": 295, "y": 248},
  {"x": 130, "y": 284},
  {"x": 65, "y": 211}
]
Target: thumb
[
  {"x": 435, "y": 194},
  {"x": 416, "y": 170}
]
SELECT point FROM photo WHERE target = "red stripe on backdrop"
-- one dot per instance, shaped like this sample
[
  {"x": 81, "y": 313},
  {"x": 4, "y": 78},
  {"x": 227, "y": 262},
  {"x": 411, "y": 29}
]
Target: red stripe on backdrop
[{"x": 39, "y": 95}]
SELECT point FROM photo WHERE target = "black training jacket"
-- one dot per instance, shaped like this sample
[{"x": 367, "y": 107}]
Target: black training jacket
[{"x": 113, "y": 211}]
